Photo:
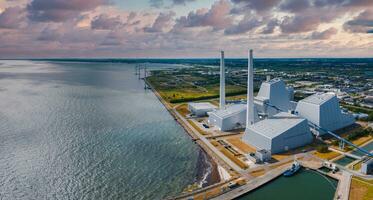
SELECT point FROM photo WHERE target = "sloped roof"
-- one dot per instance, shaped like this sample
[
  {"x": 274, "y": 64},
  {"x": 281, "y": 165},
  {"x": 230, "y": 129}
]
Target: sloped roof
[
  {"x": 276, "y": 125},
  {"x": 318, "y": 98},
  {"x": 230, "y": 110}
]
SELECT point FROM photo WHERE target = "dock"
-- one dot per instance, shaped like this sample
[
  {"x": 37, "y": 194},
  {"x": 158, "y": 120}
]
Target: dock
[
  {"x": 253, "y": 184},
  {"x": 343, "y": 188}
]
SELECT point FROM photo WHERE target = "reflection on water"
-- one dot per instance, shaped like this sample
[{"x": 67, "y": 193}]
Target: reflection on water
[
  {"x": 305, "y": 185},
  {"x": 87, "y": 131}
]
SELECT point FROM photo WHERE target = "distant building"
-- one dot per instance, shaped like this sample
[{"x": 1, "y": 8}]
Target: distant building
[
  {"x": 367, "y": 166},
  {"x": 323, "y": 110},
  {"x": 279, "y": 133},
  {"x": 232, "y": 117},
  {"x": 201, "y": 109}
]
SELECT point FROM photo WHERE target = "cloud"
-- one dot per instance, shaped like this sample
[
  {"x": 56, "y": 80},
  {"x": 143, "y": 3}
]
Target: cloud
[
  {"x": 270, "y": 27},
  {"x": 324, "y": 35},
  {"x": 258, "y": 5},
  {"x": 246, "y": 24},
  {"x": 60, "y": 10},
  {"x": 49, "y": 34},
  {"x": 217, "y": 17},
  {"x": 342, "y": 3},
  {"x": 163, "y": 21},
  {"x": 11, "y": 17},
  {"x": 363, "y": 23},
  {"x": 294, "y": 5},
  {"x": 105, "y": 22},
  {"x": 307, "y": 21},
  {"x": 160, "y": 3}
]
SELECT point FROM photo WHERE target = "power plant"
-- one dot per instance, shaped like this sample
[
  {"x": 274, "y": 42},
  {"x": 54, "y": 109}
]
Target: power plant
[{"x": 272, "y": 120}]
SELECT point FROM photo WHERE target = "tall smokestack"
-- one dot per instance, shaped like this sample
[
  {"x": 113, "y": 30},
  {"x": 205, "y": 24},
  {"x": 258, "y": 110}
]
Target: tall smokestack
[
  {"x": 250, "y": 90},
  {"x": 222, "y": 81}
]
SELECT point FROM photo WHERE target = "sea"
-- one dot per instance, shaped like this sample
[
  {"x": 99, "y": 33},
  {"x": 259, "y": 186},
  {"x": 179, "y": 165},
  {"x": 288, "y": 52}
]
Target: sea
[{"x": 89, "y": 130}]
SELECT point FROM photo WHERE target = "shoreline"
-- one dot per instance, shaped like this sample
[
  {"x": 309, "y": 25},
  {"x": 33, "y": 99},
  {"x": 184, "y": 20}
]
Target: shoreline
[{"x": 207, "y": 169}]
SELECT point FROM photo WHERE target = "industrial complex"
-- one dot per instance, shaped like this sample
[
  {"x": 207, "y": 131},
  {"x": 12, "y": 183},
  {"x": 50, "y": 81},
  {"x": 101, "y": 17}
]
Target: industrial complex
[
  {"x": 272, "y": 120},
  {"x": 255, "y": 139}
]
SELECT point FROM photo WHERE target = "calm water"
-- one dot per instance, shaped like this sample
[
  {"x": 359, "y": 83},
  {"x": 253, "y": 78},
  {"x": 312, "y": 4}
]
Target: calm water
[
  {"x": 87, "y": 131},
  {"x": 305, "y": 185},
  {"x": 344, "y": 161}
]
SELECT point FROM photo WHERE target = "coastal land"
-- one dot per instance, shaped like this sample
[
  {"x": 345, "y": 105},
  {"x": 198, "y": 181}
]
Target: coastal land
[{"x": 176, "y": 87}]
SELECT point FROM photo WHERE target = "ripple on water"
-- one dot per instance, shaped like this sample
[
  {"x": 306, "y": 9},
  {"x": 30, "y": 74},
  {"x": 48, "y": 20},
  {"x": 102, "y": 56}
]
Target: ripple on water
[{"x": 87, "y": 131}]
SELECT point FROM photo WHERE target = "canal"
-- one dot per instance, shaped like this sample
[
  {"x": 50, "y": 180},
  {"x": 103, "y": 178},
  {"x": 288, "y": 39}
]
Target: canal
[{"x": 305, "y": 185}]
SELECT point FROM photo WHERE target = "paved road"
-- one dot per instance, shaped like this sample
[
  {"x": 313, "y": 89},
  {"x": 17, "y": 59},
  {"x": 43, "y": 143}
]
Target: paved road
[
  {"x": 251, "y": 185},
  {"x": 209, "y": 145}
]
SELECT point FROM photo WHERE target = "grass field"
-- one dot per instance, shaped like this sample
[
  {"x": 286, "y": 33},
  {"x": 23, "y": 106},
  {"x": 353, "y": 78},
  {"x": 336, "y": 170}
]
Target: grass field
[
  {"x": 361, "y": 189},
  {"x": 183, "y": 91},
  {"x": 327, "y": 156}
]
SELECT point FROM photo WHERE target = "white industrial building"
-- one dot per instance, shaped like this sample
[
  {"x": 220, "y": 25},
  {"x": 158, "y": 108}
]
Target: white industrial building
[
  {"x": 274, "y": 92},
  {"x": 201, "y": 109},
  {"x": 232, "y": 117},
  {"x": 279, "y": 133},
  {"x": 322, "y": 109}
]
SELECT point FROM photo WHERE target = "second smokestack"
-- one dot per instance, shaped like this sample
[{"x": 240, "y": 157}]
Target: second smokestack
[
  {"x": 222, "y": 81},
  {"x": 250, "y": 90}
]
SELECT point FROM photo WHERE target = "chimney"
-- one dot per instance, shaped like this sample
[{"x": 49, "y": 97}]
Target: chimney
[
  {"x": 250, "y": 90},
  {"x": 268, "y": 77},
  {"x": 222, "y": 81}
]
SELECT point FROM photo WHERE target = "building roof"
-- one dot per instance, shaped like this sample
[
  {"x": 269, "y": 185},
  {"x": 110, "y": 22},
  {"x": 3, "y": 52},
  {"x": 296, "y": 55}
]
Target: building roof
[
  {"x": 276, "y": 125},
  {"x": 318, "y": 98},
  {"x": 266, "y": 87},
  {"x": 230, "y": 110},
  {"x": 202, "y": 105}
]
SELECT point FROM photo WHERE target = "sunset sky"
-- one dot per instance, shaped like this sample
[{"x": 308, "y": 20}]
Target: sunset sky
[{"x": 185, "y": 28}]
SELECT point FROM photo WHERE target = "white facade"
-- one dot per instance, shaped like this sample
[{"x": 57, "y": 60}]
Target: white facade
[
  {"x": 323, "y": 110},
  {"x": 280, "y": 133},
  {"x": 232, "y": 117},
  {"x": 274, "y": 92},
  {"x": 201, "y": 109}
]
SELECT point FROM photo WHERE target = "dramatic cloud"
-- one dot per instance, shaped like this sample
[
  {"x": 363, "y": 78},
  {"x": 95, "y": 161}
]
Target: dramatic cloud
[
  {"x": 306, "y": 21},
  {"x": 363, "y": 23},
  {"x": 11, "y": 17},
  {"x": 258, "y": 5},
  {"x": 104, "y": 28},
  {"x": 217, "y": 17},
  {"x": 245, "y": 25},
  {"x": 324, "y": 35},
  {"x": 60, "y": 10},
  {"x": 160, "y": 3},
  {"x": 270, "y": 27},
  {"x": 295, "y": 5},
  {"x": 105, "y": 22},
  {"x": 162, "y": 22}
]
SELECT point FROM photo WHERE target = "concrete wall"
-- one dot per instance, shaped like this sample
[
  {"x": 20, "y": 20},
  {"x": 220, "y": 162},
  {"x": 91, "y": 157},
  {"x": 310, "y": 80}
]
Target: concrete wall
[
  {"x": 295, "y": 137},
  {"x": 228, "y": 123},
  {"x": 327, "y": 115},
  {"x": 257, "y": 140}
]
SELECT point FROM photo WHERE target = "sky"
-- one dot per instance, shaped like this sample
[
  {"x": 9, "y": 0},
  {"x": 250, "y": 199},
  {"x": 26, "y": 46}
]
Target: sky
[{"x": 185, "y": 28}]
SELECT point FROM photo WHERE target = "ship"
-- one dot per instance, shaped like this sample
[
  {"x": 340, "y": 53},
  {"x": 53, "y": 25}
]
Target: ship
[{"x": 291, "y": 171}]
